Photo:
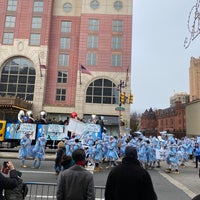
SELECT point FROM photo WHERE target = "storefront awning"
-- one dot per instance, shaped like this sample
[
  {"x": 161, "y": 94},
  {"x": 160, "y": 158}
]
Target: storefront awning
[{"x": 13, "y": 102}]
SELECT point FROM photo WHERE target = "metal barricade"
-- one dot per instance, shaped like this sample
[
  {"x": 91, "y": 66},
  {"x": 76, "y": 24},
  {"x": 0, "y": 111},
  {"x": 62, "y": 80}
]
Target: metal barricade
[{"x": 43, "y": 190}]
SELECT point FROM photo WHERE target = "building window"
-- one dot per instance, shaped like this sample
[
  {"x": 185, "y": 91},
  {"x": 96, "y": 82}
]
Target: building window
[
  {"x": 116, "y": 42},
  {"x": 92, "y": 41},
  {"x": 91, "y": 59},
  {"x": 10, "y": 21},
  {"x": 38, "y": 6},
  {"x": 18, "y": 78},
  {"x": 63, "y": 60},
  {"x": 116, "y": 60},
  {"x": 117, "y": 26},
  {"x": 8, "y": 38},
  {"x": 102, "y": 91},
  {"x": 60, "y": 94},
  {"x": 93, "y": 25},
  {"x": 66, "y": 27},
  {"x": 37, "y": 22},
  {"x": 62, "y": 77},
  {"x": 12, "y": 5},
  {"x": 64, "y": 43},
  {"x": 35, "y": 39}
]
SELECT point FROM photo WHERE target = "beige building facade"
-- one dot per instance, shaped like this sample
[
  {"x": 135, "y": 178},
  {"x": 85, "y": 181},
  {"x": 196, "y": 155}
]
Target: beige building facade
[
  {"x": 48, "y": 41},
  {"x": 193, "y": 108}
]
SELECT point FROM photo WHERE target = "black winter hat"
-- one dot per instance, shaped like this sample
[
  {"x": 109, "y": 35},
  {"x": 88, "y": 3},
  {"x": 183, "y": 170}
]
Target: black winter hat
[{"x": 131, "y": 152}]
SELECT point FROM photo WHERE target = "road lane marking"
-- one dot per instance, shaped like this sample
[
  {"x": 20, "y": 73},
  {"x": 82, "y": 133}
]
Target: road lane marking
[
  {"x": 37, "y": 172},
  {"x": 178, "y": 185},
  {"x": 51, "y": 197},
  {"x": 43, "y": 172}
]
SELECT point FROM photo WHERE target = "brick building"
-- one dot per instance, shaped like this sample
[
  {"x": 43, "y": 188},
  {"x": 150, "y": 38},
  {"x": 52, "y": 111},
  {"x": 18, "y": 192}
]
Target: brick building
[
  {"x": 171, "y": 119},
  {"x": 148, "y": 123},
  {"x": 43, "y": 43}
]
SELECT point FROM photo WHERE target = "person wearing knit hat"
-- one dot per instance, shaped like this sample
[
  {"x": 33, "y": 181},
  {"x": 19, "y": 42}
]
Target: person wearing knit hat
[
  {"x": 129, "y": 179},
  {"x": 131, "y": 152}
]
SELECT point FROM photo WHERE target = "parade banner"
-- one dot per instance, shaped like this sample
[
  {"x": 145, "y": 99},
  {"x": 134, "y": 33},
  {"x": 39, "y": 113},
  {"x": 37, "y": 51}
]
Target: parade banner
[
  {"x": 75, "y": 126},
  {"x": 80, "y": 128},
  {"x": 94, "y": 130},
  {"x": 17, "y": 131},
  {"x": 51, "y": 131}
]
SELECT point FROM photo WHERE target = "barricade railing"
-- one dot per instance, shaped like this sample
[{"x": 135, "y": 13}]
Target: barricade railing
[{"x": 43, "y": 190}]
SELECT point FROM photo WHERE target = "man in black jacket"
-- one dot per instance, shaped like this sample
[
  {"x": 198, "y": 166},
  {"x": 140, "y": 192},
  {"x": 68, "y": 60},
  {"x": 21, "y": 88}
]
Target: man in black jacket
[
  {"x": 8, "y": 182},
  {"x": 129, "y": 180}
]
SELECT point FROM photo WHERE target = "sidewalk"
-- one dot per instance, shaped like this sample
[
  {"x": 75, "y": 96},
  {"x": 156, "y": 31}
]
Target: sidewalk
[
  {"x": 188, "y": 180},
  {"x": 13, "y": 153}
]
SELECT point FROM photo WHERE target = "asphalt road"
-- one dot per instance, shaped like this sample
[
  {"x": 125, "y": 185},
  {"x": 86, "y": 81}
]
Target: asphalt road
[{"x": 165, "y": 189}]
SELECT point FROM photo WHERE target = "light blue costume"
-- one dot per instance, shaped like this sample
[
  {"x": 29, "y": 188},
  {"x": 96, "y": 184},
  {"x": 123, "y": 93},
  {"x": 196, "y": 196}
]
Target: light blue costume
[
  {"x": 98, "y": 153},
  {"x": 68, "y": 148},
  {"x": 39, "y": 151},
  {"x": 172, "y": 158},
  {"x": 25, "y": 148},
  {"x": 112, "y": 152},
  {"x": 142, "y": 155},
  {"x": 89, "y": 151}
]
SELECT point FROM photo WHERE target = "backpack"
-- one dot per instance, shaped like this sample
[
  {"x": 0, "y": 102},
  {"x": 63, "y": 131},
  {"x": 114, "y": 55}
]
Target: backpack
[{"x": 18, "y": 193}]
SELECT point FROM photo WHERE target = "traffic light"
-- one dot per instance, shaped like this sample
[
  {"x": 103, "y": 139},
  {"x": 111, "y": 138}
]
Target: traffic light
[
  {"x": 130, "y": 99},
  {"x": 122, "y": 97}
]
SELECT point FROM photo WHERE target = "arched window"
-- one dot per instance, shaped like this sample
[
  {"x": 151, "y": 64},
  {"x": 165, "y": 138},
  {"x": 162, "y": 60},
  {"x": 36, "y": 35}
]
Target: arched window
[
  {"x": 102, "y": 91},
  {"x": 18, "y": 78}
]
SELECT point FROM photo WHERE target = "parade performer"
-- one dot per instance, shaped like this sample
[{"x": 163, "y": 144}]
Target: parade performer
[
  {"x": 151, "y": 155},
  {"x": 157, "y": 147},
  {"x": 39, "y": 151},
  {"x": 101, "y": 123},
  {"x": 112, "y": 152},
  {"x": 89, "y": 151},
  {"x": 172, "y": 159},
  {"x": 29, "y": 114},
  {"x": 142, "y": 153},
  {"x": 68, "y": 148},
  {"x": 122, "y": 146},
  {"x": 25, "y": 148},
  {"x": 21, "y": 118},
  {"x": 42, "y": 119},
  {"x": 98, "y": 155},
  {"x": 183, "y": 154}
]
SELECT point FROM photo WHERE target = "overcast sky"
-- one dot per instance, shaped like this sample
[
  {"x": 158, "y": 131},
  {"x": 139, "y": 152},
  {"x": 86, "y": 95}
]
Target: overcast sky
[{"x": 160, "y": 63}]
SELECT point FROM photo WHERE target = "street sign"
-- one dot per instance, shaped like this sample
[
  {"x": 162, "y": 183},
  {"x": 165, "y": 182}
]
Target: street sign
[{"x": 119, "y": 108}]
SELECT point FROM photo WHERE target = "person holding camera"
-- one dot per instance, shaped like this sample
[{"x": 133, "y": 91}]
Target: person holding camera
[{"x": 8, "y": 182}]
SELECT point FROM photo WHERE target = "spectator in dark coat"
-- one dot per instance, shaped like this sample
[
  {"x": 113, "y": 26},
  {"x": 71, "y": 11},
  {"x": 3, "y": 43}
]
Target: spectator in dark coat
[
  {"x": 8, "y": 182},
  {"x": 129, "y": 180},
  {"x": 196, "y": 197},
  {"x": 60, "y": 152}
]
